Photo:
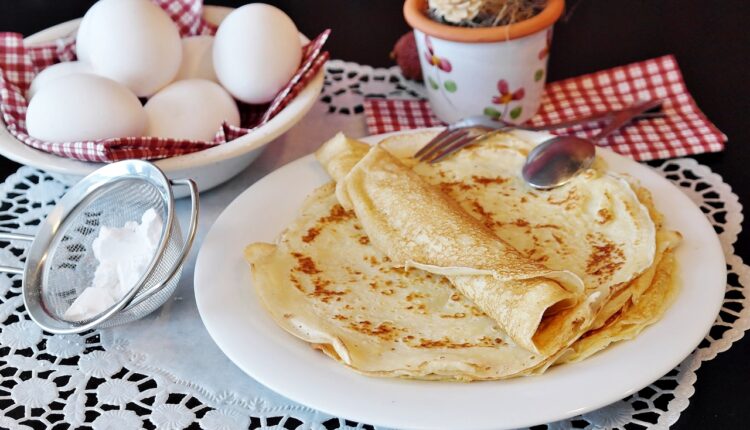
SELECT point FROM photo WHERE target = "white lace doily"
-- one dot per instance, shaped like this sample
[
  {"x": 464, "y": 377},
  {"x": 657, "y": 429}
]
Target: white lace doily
[{"x": 165, "y": 371}]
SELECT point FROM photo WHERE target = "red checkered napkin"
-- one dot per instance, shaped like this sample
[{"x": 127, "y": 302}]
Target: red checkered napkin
[
  {"x": 684, "y": 131},
  {"x": 19, "y": 64}
]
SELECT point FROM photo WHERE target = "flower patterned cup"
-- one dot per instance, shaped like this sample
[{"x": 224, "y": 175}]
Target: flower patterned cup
[{"x": 499, "y": 71}]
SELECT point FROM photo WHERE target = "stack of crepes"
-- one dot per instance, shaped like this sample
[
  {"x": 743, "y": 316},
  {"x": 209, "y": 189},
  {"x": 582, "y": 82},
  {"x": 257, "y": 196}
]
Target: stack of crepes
[{"x": 458, "y": 270}]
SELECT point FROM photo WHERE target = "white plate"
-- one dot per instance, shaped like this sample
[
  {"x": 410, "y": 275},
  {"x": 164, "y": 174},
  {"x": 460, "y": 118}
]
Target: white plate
[
  {"x": 208, "y": 168},
  {"x": 249, "y": 337}
]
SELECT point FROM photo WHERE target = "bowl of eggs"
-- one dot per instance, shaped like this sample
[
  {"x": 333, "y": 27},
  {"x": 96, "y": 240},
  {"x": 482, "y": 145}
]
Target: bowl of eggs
[{"x": 178, "y": 89}]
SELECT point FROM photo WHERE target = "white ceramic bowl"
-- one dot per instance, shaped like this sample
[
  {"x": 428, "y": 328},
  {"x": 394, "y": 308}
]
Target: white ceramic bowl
[{"x": 208, "y": 168}]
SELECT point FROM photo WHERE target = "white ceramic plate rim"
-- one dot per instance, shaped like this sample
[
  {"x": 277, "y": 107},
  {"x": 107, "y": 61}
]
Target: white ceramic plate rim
[
  {"x": 19, "y": 152},
  {"x": 249, "y": 337}
]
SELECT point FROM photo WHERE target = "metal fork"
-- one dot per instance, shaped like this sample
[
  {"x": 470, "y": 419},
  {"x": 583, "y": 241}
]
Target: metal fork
[{"x": 472, "y": 129}]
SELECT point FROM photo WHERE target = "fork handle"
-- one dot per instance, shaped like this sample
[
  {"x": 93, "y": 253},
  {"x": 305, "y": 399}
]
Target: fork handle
[{"x": 624, "y": 116}]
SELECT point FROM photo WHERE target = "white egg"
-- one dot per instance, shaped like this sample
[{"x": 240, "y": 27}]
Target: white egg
[
  {"x": 133, "y": 42},
  {"x": 197, "y": 59},
  {"x": 82, "y": 37},
  {"x": 192, "y": 109},
  {"x": 84, "y": 107},
  {"x": 56, "y": 71},
  {"x": 256, "y": 51}
]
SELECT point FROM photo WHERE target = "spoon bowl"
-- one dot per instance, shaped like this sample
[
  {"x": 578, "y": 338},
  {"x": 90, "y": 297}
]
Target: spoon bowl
[{"x": 556, "y": 161}]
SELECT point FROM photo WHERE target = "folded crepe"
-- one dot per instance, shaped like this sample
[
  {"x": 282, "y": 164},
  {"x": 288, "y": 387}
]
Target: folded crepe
[
  {"x": 416, "y": 225},
  {"x": 598, "y": 226}
]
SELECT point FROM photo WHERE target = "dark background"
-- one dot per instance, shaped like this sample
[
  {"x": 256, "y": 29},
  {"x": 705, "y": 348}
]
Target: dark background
[{"x": 709, "y": 38}]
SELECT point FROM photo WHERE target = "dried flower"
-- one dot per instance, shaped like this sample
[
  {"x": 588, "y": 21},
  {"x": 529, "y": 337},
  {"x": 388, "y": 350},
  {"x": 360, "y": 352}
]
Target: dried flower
[
  {"x": 456, "y": 11},
  {"x": 484, "y": 13}
]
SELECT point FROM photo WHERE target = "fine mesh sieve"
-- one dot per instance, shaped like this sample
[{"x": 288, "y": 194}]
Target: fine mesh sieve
[{"x": 60, "y": 263}]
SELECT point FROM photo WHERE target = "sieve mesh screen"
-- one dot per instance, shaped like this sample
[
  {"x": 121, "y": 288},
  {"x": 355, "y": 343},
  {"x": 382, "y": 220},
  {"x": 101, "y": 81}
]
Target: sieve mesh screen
[{"x": 70, "y": 265}]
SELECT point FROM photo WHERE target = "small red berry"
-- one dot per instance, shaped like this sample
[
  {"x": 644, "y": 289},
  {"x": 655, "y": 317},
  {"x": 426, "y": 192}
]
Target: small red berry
[{"x": 406, "y": 56}]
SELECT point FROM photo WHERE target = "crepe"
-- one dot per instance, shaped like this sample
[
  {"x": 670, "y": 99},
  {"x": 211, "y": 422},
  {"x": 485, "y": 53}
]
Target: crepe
[
  {"x": 640, "y": 303},
  {"x": 623, "y": 294},
  {"x": 326, "y": 283},
  {"x": 636, "y": 313}
]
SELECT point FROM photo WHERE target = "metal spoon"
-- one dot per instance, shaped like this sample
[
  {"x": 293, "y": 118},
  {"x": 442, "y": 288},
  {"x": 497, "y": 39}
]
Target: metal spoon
[{"x": 556, "y": 161}]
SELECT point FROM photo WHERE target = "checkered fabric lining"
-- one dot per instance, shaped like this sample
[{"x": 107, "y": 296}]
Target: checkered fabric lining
[
  {"x": 684, "y": 131},
  {"x": 19, "y": 64}
]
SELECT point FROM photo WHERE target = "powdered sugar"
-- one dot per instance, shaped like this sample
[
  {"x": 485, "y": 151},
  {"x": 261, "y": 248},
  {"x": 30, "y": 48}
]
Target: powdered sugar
[{"x": 124, "y": 253}]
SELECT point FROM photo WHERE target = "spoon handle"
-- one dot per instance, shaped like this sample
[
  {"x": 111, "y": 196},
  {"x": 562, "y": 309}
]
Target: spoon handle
[
  {"x": 624, "y": 116},
  {"x": 606, "y": 116}
]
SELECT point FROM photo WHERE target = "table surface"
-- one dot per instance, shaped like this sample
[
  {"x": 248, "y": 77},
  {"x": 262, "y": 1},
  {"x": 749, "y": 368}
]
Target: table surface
[{"x": 708, "y": 39}]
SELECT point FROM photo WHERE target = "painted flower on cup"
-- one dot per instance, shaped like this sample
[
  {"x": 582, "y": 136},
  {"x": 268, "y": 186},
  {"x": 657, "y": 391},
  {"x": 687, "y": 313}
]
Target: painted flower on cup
[
  {"x": 505, "y": 98},
  {"x": 433, "y": 76},
  {"x": 432, "y": 59}
]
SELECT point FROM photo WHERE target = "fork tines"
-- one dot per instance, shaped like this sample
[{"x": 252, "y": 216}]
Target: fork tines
[
  {"x": 438, "y": 145},
  {"x": 448, "y": 142}
]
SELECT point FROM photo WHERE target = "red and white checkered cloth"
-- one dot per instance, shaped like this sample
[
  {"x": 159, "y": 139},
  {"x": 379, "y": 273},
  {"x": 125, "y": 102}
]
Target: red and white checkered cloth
[
  {"x": 19, "y": 64},
  {"x": 684, "y": 131}
]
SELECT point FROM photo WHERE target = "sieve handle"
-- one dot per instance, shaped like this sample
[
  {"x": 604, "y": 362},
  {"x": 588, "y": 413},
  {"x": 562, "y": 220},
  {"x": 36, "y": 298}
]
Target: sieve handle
[
  {"x": 14, "y": 236},
  {"x": 194, "y": 213}
]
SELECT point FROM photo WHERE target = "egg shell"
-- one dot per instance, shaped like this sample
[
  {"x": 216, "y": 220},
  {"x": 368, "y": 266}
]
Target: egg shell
[
  {"x": 192, "y": 109},
  {"x": 197, "y": 59},
  {"x": 84, "y": 107},
  {"x": 257, "y": 50},
  {"x": 133, "y": 42},
  {"x": 82, "y": 37},
  {"x": 56, "y": 71}
]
